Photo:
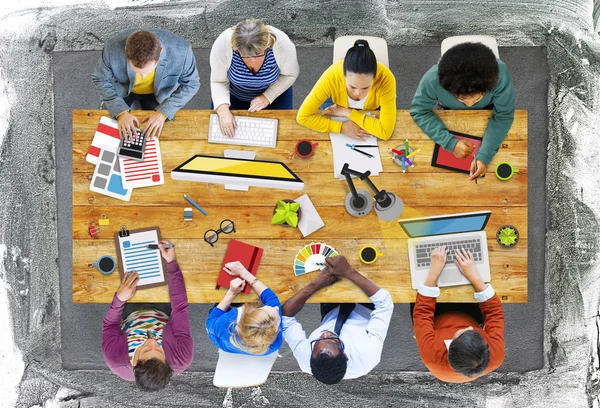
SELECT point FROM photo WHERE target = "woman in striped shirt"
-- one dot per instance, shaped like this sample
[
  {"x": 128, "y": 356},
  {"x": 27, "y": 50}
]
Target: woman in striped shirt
[{"x": 253, "y": 67}]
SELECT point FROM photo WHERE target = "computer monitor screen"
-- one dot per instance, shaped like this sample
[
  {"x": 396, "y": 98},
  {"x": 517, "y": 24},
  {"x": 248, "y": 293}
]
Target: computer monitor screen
[
  {"x": 446, "y": 224},
  {"x": 226, "y": 170}
]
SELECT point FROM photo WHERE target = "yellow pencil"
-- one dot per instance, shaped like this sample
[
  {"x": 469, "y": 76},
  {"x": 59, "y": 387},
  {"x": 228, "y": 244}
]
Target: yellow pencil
[{"x": 413, "y": 153}]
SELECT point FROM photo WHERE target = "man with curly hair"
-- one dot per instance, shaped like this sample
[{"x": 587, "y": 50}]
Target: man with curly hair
[{"x": 468, "y": 76}]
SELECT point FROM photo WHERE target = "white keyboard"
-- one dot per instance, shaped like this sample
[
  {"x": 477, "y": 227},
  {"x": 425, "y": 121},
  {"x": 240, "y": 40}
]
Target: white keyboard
[{"x": 260, "y": 132}]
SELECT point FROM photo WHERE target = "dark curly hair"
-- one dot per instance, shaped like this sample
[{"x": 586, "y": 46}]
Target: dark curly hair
[
  {"x": 469, "y": 354},
  {"x": 328, "y": 369},
  {"x": 360, "y": 59},
  {"x": 142, "y": 47},
  {"x": 152, "y": 374},
  {"x": 467, "y": 69}
]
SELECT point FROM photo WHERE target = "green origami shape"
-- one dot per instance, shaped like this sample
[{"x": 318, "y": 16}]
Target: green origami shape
[
  {"x": 507, "y": 236},
  {"x": 286, "y": 213}
]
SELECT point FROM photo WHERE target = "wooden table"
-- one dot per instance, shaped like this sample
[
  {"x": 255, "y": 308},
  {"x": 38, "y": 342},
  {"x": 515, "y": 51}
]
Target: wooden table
[{"x": 425, "y": 190}]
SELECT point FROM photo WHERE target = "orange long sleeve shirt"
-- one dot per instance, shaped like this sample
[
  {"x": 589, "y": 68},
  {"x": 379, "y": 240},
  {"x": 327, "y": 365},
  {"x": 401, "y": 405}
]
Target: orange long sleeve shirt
[{"x": 431, "y": 333}]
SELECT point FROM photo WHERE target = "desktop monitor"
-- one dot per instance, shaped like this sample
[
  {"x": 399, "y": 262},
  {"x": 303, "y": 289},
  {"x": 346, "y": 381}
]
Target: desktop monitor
[{"x": 240, "y": 172}]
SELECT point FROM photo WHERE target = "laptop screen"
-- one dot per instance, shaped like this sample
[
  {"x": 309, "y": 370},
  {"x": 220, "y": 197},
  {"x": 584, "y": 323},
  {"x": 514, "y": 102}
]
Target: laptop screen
[{"x": 447, "y": 224}]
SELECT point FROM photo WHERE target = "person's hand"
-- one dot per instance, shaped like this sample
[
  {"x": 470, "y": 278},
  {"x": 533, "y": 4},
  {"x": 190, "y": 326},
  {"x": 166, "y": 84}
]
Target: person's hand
[
  {"x": 236, "y": 286},
  {"x": 155, "y": 121},
  {"x": 326, "y": 278},
  {"x": 167, "y": 253},
  {"x": 463, "y": 148},
  {"x": 128, "y": 286},
  {"x": 337, "y": 111},
  {"x": 438, "y": 260},
  {"x": 466, "y": 264},
  {"x": 127, "y": 124},
  {"x": 235, "y": 269},
  {"x": 226, "y": 120},
  {"x": 339, "y": 265},
  {"x": 351, "y": 129},
  {"x": 478, "y": 169},
  {"x": 258, "y": 103}
]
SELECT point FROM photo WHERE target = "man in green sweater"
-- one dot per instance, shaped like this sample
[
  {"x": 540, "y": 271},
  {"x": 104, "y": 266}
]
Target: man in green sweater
[{"x": 468, "y": 76}]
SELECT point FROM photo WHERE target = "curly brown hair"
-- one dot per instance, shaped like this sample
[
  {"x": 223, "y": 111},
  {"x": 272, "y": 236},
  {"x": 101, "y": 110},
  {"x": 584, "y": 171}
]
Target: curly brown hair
[{"x": 142, "y": 47}]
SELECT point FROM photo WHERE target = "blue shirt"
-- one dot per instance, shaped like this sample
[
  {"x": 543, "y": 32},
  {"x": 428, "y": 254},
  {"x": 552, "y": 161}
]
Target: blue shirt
[
  {"x": 245, "y": 85},
  {"x": 219, "y": 325}
]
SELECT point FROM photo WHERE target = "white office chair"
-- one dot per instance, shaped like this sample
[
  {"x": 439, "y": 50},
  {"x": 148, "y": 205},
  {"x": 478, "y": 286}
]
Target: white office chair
[
  {"x": 488, "y": 41},
  {"x": 378, "y": 45},
  {"x": 242, "y": 370}
]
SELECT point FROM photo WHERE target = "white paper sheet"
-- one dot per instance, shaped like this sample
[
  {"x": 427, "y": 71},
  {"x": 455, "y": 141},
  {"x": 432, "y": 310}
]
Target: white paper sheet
[
  {"x": 136, "y": 257},
  {"x": 357, "y": 161},
  {"x": 310, "y": 220}
]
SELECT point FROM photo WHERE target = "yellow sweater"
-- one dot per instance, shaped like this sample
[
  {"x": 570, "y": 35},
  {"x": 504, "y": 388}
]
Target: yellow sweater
[
  {"x": 332, "y": 84},
  {"x": 144, "y": 86}
]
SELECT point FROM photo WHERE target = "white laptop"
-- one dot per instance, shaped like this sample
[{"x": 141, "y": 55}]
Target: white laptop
[{"x": 455, "y": 231}]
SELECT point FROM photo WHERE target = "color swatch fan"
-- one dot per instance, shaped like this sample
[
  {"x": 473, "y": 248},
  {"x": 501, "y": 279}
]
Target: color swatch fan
[{"x": 311, "y": 258}]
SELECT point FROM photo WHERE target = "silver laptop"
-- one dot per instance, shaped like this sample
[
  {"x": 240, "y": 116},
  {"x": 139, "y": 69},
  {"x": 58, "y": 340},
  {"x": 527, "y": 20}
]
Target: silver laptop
[{"x": 455, "y": 231}]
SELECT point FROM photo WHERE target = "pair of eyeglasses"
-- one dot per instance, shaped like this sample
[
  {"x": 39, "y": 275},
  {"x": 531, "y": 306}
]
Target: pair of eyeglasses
[
  {"x": 211, "y": 236},
  {"x": 336, "y": 338}
]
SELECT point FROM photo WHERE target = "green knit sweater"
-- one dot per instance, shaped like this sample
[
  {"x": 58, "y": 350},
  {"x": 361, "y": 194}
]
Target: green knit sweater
[{"x": 430, "y": 92}]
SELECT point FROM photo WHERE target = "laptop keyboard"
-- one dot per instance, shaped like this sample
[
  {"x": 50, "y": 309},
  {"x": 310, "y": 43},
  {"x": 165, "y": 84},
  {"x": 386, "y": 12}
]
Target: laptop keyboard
[{"x": 424, "y": 250}]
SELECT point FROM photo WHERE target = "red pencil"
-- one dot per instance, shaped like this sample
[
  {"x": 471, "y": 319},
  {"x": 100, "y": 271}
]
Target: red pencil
[{"x": 396, "y": 151}]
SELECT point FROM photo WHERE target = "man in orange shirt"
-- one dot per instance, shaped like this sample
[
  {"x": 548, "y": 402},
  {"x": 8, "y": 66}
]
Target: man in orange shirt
[{"x": 453, "y": 345}]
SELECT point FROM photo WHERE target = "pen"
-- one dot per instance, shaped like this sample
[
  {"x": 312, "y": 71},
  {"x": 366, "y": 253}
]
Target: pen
[
  {"x": 360, "y": 151},
  {"x": 413, "y": 153},
  {"x": 155, "y": 246},
  {"x": 403, "y": 164},
  {"x": 192, "y": 202},
  {"x": 364, "y": 145}
]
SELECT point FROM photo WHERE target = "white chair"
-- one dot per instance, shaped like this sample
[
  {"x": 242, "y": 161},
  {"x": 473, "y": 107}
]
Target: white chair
[
  {"x": 242, "y": 370},
  {"x": 378, "y": 45},
  {"x": 488, "y": 41}
]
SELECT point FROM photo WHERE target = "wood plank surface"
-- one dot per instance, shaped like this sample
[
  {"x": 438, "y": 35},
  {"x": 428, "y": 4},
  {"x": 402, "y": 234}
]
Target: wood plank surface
[{"x": 425, "y": 190}]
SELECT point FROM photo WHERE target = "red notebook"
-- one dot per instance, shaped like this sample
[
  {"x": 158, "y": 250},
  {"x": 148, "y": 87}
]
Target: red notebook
[
  {"x": 248, "y": 255},
  {"x": 446, "y": 160}
]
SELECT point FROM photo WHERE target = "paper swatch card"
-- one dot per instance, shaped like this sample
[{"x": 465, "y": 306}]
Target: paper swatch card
[
  {"x": 310, "y": 221},
  {"x": 311, "y": 258},
  {"x": 135, "y": 256},
  {"x": 107, "y": 134},
  {"x": 107, "y": 179},
  {"x": 146, "y": 173}
]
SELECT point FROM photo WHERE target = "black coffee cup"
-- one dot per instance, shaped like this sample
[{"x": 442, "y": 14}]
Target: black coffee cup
[{"x": 106, "y": 264}]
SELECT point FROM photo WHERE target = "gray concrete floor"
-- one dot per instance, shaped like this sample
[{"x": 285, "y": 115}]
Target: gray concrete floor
[{"x": 524, "y": 322}]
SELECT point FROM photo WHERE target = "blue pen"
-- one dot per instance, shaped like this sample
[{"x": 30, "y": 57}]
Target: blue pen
[
  {"x": 360, "y": 151},
  {"x": 192, "y": 202}
]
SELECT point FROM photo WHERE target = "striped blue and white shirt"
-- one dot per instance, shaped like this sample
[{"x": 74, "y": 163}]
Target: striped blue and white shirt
[{"x": 243, "y": 84}]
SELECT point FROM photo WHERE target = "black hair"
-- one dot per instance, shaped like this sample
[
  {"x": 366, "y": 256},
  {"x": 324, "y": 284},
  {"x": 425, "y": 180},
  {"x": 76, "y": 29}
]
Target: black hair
[
  {"x": 469, "y": 354},
  {"x": 467, "y": 69},
  {"x": 152, "y": 374},
  {"x": 328, "y": 369},
  {"x": 360, "y": 59}
]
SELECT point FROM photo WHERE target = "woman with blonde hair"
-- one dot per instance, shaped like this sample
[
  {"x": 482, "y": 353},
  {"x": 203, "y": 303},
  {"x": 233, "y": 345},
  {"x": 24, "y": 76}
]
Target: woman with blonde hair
[
  {"x": 252, "y": 66},
  {"x": 254, "y": 328}
]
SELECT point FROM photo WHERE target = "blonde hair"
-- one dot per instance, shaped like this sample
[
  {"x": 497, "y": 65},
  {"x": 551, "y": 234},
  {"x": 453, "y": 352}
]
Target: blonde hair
[
  {"x": 251, "y": 37},
  {"x": 256, "y": 330}
]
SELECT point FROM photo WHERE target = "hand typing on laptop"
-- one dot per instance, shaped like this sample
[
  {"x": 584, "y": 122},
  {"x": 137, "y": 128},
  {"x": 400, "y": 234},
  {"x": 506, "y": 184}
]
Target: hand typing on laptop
[
  {"x": 438, "y": 261},
  {"x": 466, "y": 265}
]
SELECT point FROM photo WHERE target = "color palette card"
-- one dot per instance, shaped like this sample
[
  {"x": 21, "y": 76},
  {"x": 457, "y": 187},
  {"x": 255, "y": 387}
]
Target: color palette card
[
  {"x": 107, "y": 134},
  {"x": 311, "y": 258},
  {"x": 107, "y": 177}
]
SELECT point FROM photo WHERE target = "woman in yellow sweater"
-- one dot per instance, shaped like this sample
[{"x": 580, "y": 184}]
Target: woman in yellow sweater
[{"x": 357, "y": 83}]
